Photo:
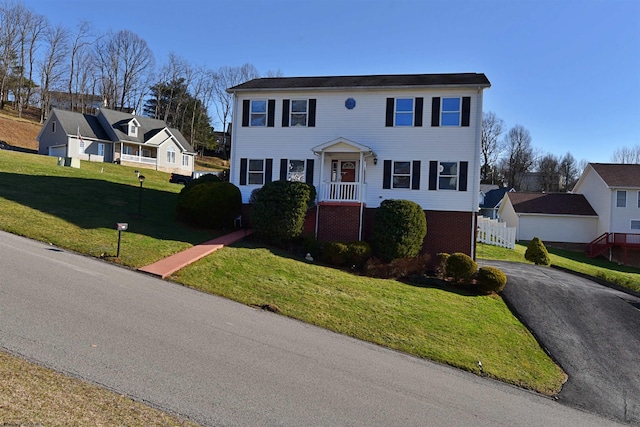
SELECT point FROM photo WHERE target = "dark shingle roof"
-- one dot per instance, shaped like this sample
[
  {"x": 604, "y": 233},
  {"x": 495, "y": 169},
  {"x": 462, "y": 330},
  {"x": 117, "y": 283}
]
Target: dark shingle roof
[
  {"x": 372, "y": 81},
  {"x": 493, "y": 197},
  {"x": 551, "y": 204},
  {"x": 87, "y": 125},
  {"x": 618, "y": 175}
]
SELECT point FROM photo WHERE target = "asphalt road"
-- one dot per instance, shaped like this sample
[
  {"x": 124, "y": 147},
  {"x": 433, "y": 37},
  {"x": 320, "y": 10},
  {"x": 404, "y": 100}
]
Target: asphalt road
[
  {"x": 220, "y": 363},
  {"x": 592, "y": 331}
]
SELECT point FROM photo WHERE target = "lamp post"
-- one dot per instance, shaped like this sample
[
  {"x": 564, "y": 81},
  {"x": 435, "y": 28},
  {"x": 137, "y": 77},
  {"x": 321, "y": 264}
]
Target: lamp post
[{"x": 141, "y": 179}]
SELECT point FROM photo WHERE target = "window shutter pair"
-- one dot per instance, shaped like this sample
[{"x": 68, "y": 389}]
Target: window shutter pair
[
  {"x": 311, "y": 113},
  {"x": 462, "y": 175},
  {"x": 465, "y": 113},
  {"x": 387, "y": 175},
  {"x": 284, "y": 166},
  {"x": 246, "y": 112},
  {"x": 417, "y": 112},
  {"x": 268, "y": 171}
]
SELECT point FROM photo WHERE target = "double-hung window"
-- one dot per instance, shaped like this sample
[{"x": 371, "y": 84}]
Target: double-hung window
[
  {"x": 639, "y": 199},
  {"x": 256, "y": 171},
  {"x": 621, "y": 199},
  {"x": 171, "y": 155},
  {"x": 635, "y": 224},
  {"x": 401, "y": 175},
  {"x": 298, "y": 112},
  {"x": 404, "y": 112},
  {"x": 296, "y": 170},
  {"x": 448, "y": 176},
  {"x": 258, "y": 113},
  {"x": 185, "y": 160},
  {"x": 450, "y": 112}
]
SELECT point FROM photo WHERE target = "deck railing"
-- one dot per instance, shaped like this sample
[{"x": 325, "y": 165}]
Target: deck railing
[{"x": 609, "y": 240}]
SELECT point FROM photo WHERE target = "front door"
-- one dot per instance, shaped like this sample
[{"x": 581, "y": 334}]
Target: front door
[{"x": 348, "y": 171}]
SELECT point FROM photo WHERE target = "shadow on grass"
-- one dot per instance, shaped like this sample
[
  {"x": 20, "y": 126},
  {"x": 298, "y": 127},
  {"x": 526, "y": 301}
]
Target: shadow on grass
[{"x": 92, "y": 204}]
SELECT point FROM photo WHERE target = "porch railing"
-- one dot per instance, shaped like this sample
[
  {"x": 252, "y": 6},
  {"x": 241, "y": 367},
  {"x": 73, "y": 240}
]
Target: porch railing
[
  {"x": 341, "y": 192},
  {"x": 139, "y": 159}
]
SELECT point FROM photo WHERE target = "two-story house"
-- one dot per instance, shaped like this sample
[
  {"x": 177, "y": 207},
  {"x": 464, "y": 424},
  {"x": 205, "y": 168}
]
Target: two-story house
[
  {"x": 116, "y": 136},
  {"x": 363, "y": 139}
]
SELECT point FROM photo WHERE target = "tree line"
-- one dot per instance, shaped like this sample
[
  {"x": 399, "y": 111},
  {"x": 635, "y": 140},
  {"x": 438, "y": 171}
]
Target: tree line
[
  {"x": 42, "y": 62},
  {"x": 510, "y": 159}
]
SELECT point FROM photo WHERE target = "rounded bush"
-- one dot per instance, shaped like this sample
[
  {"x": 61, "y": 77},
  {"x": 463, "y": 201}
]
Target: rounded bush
[
  {"x": 398, "y": 230},
  {"x": 210, "y": 205},
  {"x": 491, "y": 279},
  {"x": 537, "y": 253},
  {"x": 358, "y": 253},
  {"x": 461, "y": 267},
  {"x": 335, "y": 253},
  {"x": 201, "y": 180},
  {"x": 279, "y": 209}
]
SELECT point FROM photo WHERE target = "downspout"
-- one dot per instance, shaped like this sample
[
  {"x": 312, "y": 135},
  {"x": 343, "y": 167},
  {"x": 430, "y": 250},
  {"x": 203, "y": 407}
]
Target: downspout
[
  {"x": 475, "y": 203},
  {"x": 361, "y": 185},
  {"x": 233, "y": 141},
  {"x": 321, "y": 186}
]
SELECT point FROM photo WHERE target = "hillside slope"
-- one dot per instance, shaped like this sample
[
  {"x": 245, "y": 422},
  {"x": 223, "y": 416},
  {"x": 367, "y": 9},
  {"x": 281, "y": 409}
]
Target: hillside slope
[{"x": 19, "y": 132}]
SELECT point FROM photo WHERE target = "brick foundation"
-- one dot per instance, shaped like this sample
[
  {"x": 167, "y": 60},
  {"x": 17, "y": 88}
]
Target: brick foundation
[{"x": 338, "y": 222}]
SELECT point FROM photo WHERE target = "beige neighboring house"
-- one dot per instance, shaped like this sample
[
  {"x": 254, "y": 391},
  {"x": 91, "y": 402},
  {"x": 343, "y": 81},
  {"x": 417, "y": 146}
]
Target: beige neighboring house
[{"x": 115, "y": 136}]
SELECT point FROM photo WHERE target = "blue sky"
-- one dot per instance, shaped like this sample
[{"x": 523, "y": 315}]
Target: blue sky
[{"x": 568, "y": 71}]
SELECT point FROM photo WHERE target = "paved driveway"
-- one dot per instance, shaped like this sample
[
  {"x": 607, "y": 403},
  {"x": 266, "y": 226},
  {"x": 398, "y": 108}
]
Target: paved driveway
[{"x": 592, "y": 331}]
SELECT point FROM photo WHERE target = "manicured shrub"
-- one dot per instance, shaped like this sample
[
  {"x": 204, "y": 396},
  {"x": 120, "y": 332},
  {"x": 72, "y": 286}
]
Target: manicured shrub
[
  {"x": 210, "y": 205},
  {"x": 399, "y": 268},
  {"x": 200, "y": 180},
  {"x": 358, "y": 253},
  {"x": 461, "y": 268},
  {"x": 537, "y": 253},
  {"x": 279, "y": 209},
  {"x": 491, "y": 279},
  {"x": 398, "y": 230},
  {"x": 335, "y": 253}
]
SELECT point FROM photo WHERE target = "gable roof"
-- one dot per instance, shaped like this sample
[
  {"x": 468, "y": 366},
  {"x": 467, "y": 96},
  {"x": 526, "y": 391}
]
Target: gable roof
[
  {"x": 618, "y": 175},
  {"x": 493, "y": 197},
  {"x": 551, "y": 204},
  {"x": 367, "y": 81},
  {"x": 73, "y": 123}
]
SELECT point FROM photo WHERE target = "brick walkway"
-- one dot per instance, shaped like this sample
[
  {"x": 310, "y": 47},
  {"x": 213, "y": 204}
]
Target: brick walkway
[{"x": 175, "y": 262}]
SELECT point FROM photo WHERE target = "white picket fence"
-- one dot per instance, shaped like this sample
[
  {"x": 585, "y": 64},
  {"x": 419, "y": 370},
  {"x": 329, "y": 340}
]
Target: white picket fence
[{"x": 495, "y": 233}]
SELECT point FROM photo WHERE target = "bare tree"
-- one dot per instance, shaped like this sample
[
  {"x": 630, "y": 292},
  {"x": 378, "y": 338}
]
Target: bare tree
[
  {"x": 549, "y": 168},
  {"x": 227, "y": 77},
  {"x": 10, "y": 21},
  {"x": 626, "y": 155},
  {"x": 568, "y": 171},
  {"x": 84, "y": 37},
  {"x": 519, "y": 156},
  {"x": 38, "y": 25},
  {"x": 56, "y": 51},
  {"x": 491, "y": 147}
]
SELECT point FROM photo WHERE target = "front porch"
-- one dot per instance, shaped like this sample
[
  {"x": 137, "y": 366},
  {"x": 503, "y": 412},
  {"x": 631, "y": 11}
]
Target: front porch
[{"x": 135, "y": 154}]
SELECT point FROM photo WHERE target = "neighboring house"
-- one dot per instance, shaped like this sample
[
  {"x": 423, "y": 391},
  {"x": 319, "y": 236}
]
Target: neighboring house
[
  {"x": 62, "y": 101},
  {"x": 491, "y": 200},
  {"x": 552, "y": 217},
  {"x": 114, "y": 136},
  {"x": 363, "y": 139},
  {"x": 535, "y": 182}
]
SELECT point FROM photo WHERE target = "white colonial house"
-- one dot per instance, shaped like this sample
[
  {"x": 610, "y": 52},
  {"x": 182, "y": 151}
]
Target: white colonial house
[
  {"x": 114, "y": 136},
  {"x": 363, "y": 139}
]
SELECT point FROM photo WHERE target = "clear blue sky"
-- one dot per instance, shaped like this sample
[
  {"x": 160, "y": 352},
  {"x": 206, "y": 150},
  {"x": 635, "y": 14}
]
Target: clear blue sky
[{"x": 567, "y": 70}]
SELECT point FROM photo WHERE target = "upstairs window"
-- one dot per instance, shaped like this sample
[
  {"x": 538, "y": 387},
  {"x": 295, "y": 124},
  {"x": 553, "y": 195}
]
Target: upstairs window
[
  {"x": 258, "y": 113},
  {"x": 53, "y": 127},
  {"x": 404, "y": 112},
  {"x": 132, "y": 129},
  {"x": 621, "y": 199},
  {"x": 450, "y": 112},
  {"x": 299, "y": 112}
]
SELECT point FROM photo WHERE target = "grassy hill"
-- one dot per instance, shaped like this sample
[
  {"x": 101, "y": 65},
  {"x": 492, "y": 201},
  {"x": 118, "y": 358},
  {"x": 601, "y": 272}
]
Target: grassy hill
[{"x": 20, "y": 133}]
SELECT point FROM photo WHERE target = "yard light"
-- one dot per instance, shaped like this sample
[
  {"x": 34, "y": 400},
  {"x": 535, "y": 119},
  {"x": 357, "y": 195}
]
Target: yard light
[{"x": 141, "y": 179}]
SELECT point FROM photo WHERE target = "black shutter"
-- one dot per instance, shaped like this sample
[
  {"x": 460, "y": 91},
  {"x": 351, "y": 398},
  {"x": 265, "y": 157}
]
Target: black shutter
[
  {"x": 433, "y": 175},
  {"x": 464, "y": 168},
  {"x": 415, "y": 176},
  {"x": 386, "y": 180},
  {"x": 285, "y": 113},
  {"x": 435, "y": 111},
  {"x": 312, "y": 113},
  {"x": 268, "y": 171},
  {"x": 271, "y": 113},
  {"x": 245, "y": 112},
  {"x": 309, "y": 177},
  {"x": 417, "y": 120},
  {"x": 284, "y": 166},
  {"x": 389, "y": 117},
  {"x": 466, "y": 110},
  {"x": 243, "y": 171}
]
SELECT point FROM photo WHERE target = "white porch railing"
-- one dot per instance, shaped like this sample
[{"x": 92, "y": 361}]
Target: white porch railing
[
  {"x": 495, "y": 233},
  {"x": 139, "y": 159},
  {"x": 341, "y": 192}
]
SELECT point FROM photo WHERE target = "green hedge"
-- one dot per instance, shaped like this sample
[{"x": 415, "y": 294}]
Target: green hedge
[
  {"x": 212, "y": 205},
  {"x": 399, "y": 229}
]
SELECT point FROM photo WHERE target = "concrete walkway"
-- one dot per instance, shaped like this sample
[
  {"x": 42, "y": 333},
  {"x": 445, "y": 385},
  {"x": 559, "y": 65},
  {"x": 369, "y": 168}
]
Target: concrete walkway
[{"x": 167, "y": 266}]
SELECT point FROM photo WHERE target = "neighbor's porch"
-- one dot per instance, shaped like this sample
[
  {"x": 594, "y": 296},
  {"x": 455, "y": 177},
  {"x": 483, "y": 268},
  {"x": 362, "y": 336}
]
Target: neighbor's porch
[{"x": 133, "y": 153}]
